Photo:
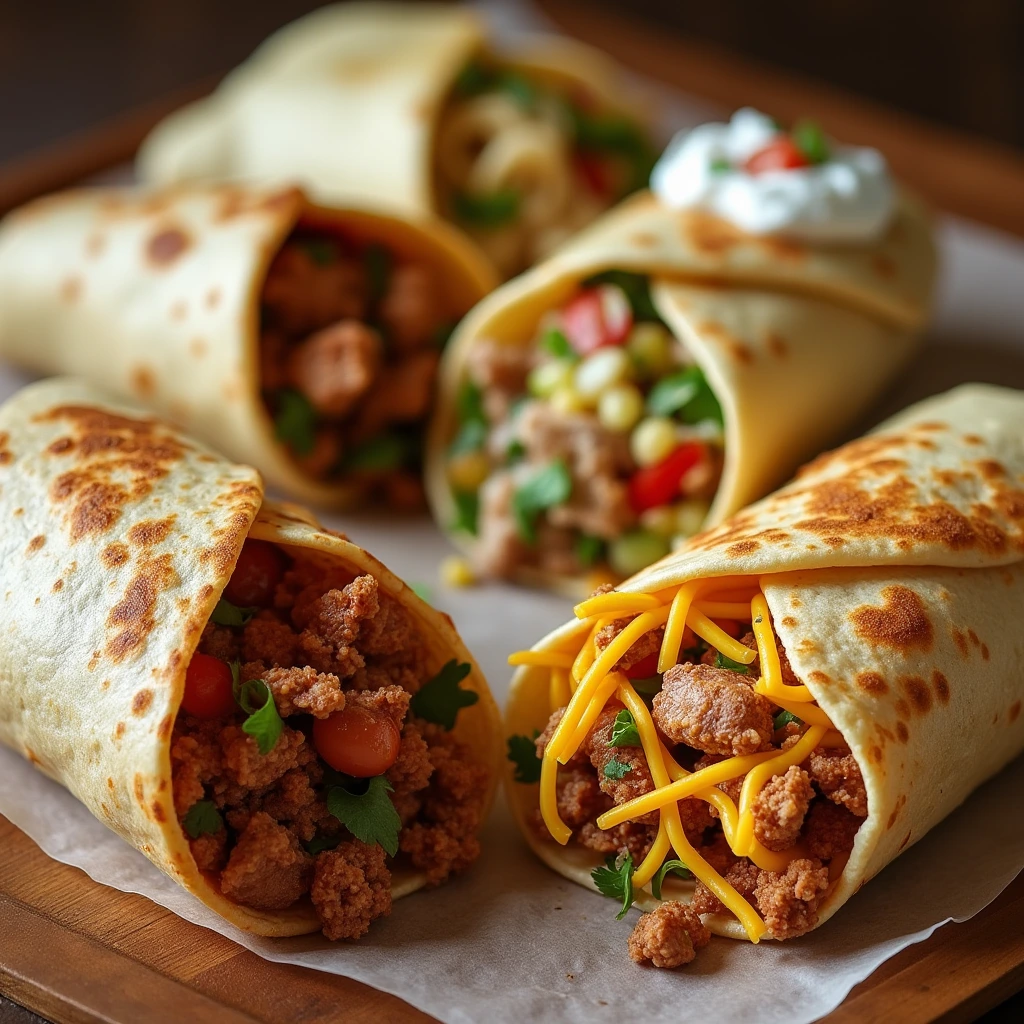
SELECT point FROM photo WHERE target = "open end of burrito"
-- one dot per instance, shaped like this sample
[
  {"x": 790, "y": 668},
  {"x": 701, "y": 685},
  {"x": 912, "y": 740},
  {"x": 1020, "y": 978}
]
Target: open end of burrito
[
  {"x": 350, "y": 337},
  {"x": 313, "y": 762},
  {"x": 681, "y": 744},
  {"x": 592, "y": 449},
  {"x": 525, "y": 155}
]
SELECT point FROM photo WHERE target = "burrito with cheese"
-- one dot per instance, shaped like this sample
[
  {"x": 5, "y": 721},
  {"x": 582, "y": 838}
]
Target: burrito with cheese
[
  {"x": 743, "y": 735},
  {"x": 299, "y": 339},
  {"x": 677, "y": 360},
  {"x": 411, "y": 105},
  {"x": 254, "y": 702}
]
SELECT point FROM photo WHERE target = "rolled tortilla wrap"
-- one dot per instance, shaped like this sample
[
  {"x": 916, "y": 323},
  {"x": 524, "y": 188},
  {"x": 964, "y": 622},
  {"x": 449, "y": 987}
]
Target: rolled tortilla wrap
[
  {"x": 893, "y": 575},
  {"x": 122, "y": 534},
  {"x": 792, "y": 340},
  {"x": 410, "y": 105},
  {"x": 192, "y": 299}
]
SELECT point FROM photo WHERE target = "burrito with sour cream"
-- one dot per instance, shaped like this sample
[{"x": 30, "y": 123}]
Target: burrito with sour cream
[
  {"x": 412, "y": 105},
  {"x": 297, "y": 338},
  {"x": 755, "y": 726},
  {"x": 254, "y": 702},
  {"x": 679, "y": 358}
]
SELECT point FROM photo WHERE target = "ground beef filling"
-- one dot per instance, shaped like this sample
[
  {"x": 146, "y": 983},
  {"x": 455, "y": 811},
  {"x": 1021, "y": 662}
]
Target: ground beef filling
[
  {"x": 704, "y": 714},
  {"x": 322, "y": 642}
]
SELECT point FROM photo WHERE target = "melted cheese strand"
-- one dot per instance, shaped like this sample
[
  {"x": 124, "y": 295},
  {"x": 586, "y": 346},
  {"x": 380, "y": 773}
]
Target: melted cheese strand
[
  {"x": 729, "y": 897},
  {"x": 608, "y": 686},
  {"x": 718, "y": 638},
  {"x": 541, "y": 659},
  {"x": 675, "y": 626},
  {"x": 559, "y": 690},
  {"x": 608, "y": 658},
  {"x": 768, "y": 653},
  {"x": 560, "y": 832},
  {"x": 587, "y": 654},
  {"x": 810, "y": 714},
  {"x": 652, "y": 862},
  {"x": 758, "y": 776},
  {"x": 616, "y": 603}
]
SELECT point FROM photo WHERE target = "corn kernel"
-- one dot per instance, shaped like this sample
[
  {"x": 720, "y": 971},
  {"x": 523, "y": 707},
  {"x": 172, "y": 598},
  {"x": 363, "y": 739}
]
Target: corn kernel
[
  {"x": 546, "y": 378},
  {"x": 652, "y": 440},
  {"x": 602, "y": 370},
  {"x": 650, "y": 346},
  {"x": 457, "y": 572},
  {"x": 567, "y": 400},
  {"x": 468, "y": 471},
  {"x": 620, "y": 408}
]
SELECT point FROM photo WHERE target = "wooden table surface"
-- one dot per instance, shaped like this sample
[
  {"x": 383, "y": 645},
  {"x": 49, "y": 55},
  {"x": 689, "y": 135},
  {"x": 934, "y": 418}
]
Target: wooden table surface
[{"x": 75, "y": 951}]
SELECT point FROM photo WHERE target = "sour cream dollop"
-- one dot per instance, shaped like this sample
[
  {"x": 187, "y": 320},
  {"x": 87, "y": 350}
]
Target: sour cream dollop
[{"x": 848, "y": 198}]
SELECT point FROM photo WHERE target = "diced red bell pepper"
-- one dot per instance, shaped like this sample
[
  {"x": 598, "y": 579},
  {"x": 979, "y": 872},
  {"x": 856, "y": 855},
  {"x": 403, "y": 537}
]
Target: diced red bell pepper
[
  {"x": 597, "y": 317},
  {"x": 645, "y": 668},
  {"x": 659, "y": 484},
  {"x": 781, "y": 154},
  {"x": 595, "y": 172}
]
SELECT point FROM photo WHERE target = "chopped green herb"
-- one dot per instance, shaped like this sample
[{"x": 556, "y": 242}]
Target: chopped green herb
[
  {"x": 810, "y": 140},
  {"x": 783, "y": 718},
  {"x": 421, "y": 590},
  {"x": 295, "y": 422},
  {"x": 619, "y": 136},
  {"x": 439, "y": 700},
  {"x": 519, "y": 88},
  {"x": 469, "y": 403},
  {"x": 589, "y": 549},
  {"x": 676, "y": 867},
  {"x": 721, "y": 661},
  {"x": 202, "y": 819},
  {"x": 492, "y": 210},
  {"x": 624, "y": 731},
  {"x": 522, "y": 752},
  {"x": 228, "y": 614},
  {"x": 647, "y": 687},
  {"x": 367, "y": 813},
  {"x": 719, "y": 165},
  {"x": 264, "y": 724},
  {"x": 687, "y": 395},
  {"x": 554, "y": 341},
  {"x": 616, "y": 769},
  {"x": 378, "y": 261},
  {"x": 515, "y": 451},
  {"x": 467, "y": 511},
  {"x": 615, "y": 879},
  {"x": 637, "y": 288},
  {"x": 322, "y": 251},
  {"x": 547, "y": 488},
  {"x": 474, "y": 79},
  {"x": 320, "y": 843},
  {"x": 380, "y": 453},
  {"x": 472, "y": 436}
]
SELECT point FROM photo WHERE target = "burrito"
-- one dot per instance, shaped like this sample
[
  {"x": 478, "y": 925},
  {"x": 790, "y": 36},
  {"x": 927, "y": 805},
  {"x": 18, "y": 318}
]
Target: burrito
[
  {"x": 295, "y": 338},
  {"x": 743, "y": 735},
  {"x": 254, "y": 702},
  {"x": 410, "y": 104},
  {"x": 677, "y": 360}
]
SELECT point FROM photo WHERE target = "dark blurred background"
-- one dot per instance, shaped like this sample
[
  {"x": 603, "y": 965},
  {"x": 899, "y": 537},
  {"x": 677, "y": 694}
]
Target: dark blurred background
[{"x": 66, "y": 64}]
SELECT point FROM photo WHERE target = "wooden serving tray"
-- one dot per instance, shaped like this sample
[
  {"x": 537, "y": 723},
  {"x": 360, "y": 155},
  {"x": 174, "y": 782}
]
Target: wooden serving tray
[{"x": 78, "y": 952}]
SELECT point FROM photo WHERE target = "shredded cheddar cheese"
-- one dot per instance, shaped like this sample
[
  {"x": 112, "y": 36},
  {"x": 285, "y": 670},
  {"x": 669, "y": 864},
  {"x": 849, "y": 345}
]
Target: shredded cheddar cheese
[
  {"x": 541, "y": 659},
  {"x": 675, "y": 625},
  {"x": 559, "y": 690}
]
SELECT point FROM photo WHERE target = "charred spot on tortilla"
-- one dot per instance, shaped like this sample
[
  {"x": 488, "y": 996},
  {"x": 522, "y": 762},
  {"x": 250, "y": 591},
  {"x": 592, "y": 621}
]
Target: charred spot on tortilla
[
  {"x": 941, "y": 686},
  {"x": 164, "y": 728},
  {"x": 114, "y": 555},
  {"x": 1014, "y": 711},
  {"x": 167, "y": 245},
  {"x": 741, "y": 548},
  {"x": 901, "y": 622},
  {"x": 198, "y": 347},
  {"x": 158, "y": 812},
  {"x": 142, "y": 701},
  {"x": 873, "y": 683},
  {"x": 143, "y": 382},
  {"x": 133, "y": 617},
  {"x": 35, "y": 544},
  {"x": 960, "y": 639},
  {"x": 151, "y": 531},
  {"x": 137, "y": 787},
  {"x": 71, "y": 289},
  {"x": 57, "y": 585},
  {"x": 917, "y": 690}
]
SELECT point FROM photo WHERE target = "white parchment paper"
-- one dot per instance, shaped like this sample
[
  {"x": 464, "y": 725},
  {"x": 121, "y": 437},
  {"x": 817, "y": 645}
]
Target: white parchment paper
[{"x": 511, "y": 941}]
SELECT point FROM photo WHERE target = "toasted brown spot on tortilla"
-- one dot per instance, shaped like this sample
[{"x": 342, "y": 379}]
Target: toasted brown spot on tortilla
[
  {"x": 94, "y": 660},
  {"x": 960, "y": 639},
  {"x": 114, "y": 555},
  {"x": 644, "y": 239},
  {"x": 132, "y": 618},
  {"x": 737, "y": 349},
  {"x": 143, "y": 382},
  {"x": 32, "y": 755},
  {"x": 164, "y": 729},
  {"x": 806, "y": 646},
  {"x": 179, "y": 309},
  {"x": 110, "y": 783},
  {"x": 973, "y": 637},
  {"x": 941, "y": 686},
  {"x": 105, "y": 685},
  {"x": 740, "y": 548},
  {"x": 141, "y": 702},
  {"x": 197, "y": 348},
  {"x": 777, "y": 345},
  {"x": 164, "y": 247},
  {"x": 795, "y": 602},
  {"x": 823, "y": 678},
  {"x": 906, "y": 839},
  {"x": 212, "y": 299},
  {"x": 119, "y": 730},
  {"x": 57, "y": 585},
  {"x": 151, "y": 531},
  {"x": 984, "y": 652},
  {"x": 875, "y": 754},
  {"x": 973, "y": 439},
  {"x": 137, "y": 788},
  {"x": 71, "y": 288},
  {"x": 35, "y": 544},
  {"x": 902, "y": 708},
  {"x": 95, "y": 243},
  {"x": 1014, "y": 711},
  {"x": 917, "y": 690},
  {"x": 901, "y": 623},
  {"x": 788, "y": 620},
  {"x": 873, "y": 683},
  {"x": 158, "y": 811},
  {"x": 61, "y": 446}
]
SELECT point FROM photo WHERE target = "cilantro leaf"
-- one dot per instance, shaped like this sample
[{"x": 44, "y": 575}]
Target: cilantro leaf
[
  {"x": 471, "y": 437},
  {"x": 550, "y": 486},
  {"x": 687, "y": 395},
  {"x": 615, "y": 879},
  {"x": 555, "y": 342},
  {"x": 469, "y": 403},
  {"x": 439, "y": 700},
  {"x": 588, "y": 549},
  {"x": 719, "y": 165},
  {"x": 467, "y": 511},
  {"x": 474, "y": 79},
  {"x": 624, "y": 730},
  {"x": 783, "y": 718},
  {"x": 295, "y": 421},
  {"x": 319, "y": 843},
  {"x": 370, "y": 816},
  {"x": 515, "y": 452},
  {"x": 647, "y": 687},
  {"x": 228, "y": 614},
  {"x": 522, "y": 752},
  {"x": 810, "y": 140},
  {"x": 264, "y": 724},
  {"x": 721, "y": 661},
  {"x": 202, "y": 819},
  {"x": 383, "y": 452},
  {"x": 616, "y": 769},
  {"x": 676, "y": 867},
  {"x": 489, "y": 210}
]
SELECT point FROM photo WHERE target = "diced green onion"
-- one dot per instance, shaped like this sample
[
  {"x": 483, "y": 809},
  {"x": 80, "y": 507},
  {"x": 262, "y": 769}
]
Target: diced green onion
[
  {"x": 719, "y": 165},
  {"x": 487, "y": 211},
  {"x": 467, "y": 511},
  {"x": 810, "y": 140},
  {"x": 553, "y": 340}
]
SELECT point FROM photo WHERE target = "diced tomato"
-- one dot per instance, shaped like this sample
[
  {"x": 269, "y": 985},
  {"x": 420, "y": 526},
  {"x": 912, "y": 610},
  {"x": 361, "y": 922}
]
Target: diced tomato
[
  {"x": 781, "y": 154},
  {"x": 208, "y": 688},
  {"x": 659, "y": 484},
  {"x": 595, "y": 172},
  {"x": 645, "y": 668},
  {"x": 357, "y": 741},
  {"x": 257, "y": 573},
  {"x": 597, "y": 317}
]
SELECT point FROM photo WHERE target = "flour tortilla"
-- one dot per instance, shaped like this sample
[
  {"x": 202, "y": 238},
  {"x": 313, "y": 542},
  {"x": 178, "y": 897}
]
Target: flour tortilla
[
  {"x": 347, "y": 100},
  {"x": 120, "y": 535},
  {"x": 154, "y": 295},
  {"x": 795, "y": 340},
  {"x": 894, "y": 570}
]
